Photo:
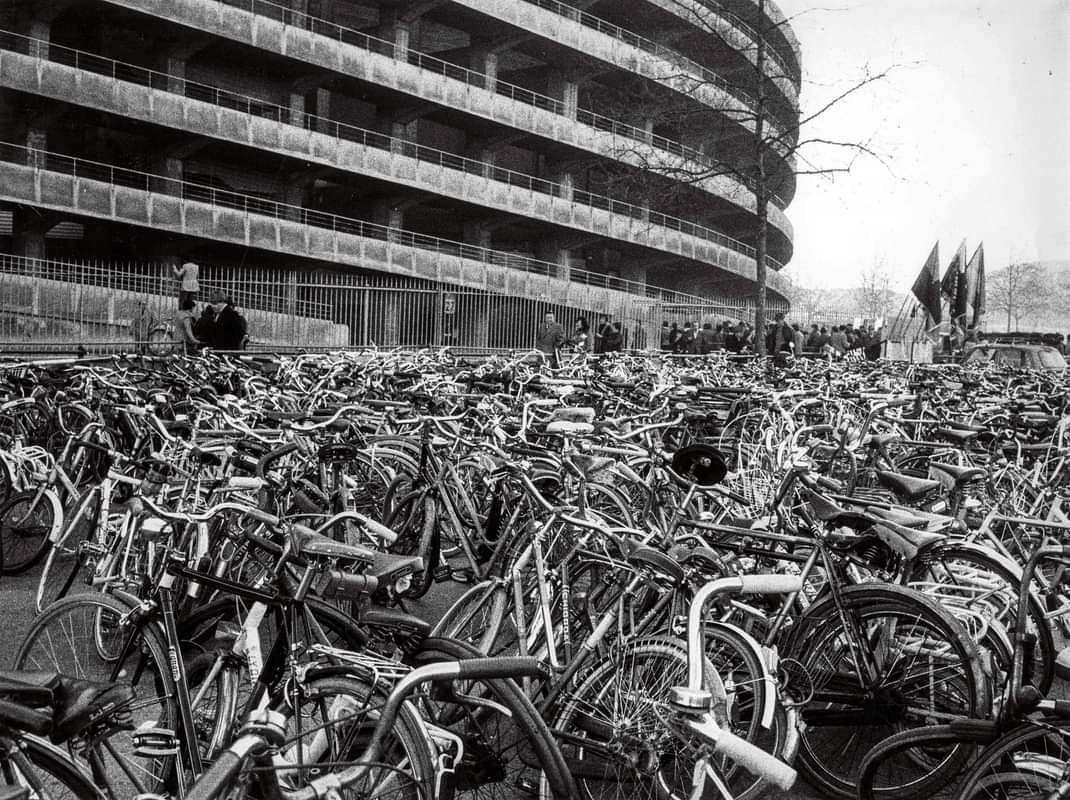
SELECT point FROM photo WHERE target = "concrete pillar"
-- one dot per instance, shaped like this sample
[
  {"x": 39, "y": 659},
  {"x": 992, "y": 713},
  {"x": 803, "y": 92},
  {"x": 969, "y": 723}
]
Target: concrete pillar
[
  {"x": 486, "y": 156},
  {"x": 566, "y": 185},
  {"x": 322, "y": 102},
  {"x": 297, "y": 109},
  {"x": 402, "y": 34},
  {"x": 40, "y": 30},
  {"x": 632, "y": 271},
  {"x": 175, "y": 70},
  {"x": 648, "y": 130},
  {"x": 552, "y": 251},
  {"x": 567, "y": 92},
  {"x": 170, "y": 171},
  {"x": 36, "y": 147},
  {"x": 486, "y": 62},
  {"x": 477, "y": 235},
  {"x": 293, "y": 195},
  {"x": 29, "y": 227}
]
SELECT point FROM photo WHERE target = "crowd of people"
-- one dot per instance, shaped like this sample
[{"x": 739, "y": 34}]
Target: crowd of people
[
  {"x": 780, "y": 337},
  {"x": 842, "y": 341},
  {"x": 219, "y": 325}
]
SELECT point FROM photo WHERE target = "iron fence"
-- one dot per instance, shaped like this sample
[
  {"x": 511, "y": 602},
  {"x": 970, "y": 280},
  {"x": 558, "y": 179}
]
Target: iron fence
[{"x": 104, "y": 305}]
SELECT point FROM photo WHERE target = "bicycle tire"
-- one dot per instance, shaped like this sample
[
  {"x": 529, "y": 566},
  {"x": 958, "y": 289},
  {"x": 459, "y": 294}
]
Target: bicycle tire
[
  {"x": 24, "y": 536},
  {"x": 526, "y": 736},
  {"x": 638, "y": 761},
  {"x": 408, "y": 752},
  {"x": 64, "y": 560},
  {"x": 818, "y": 637},
  {"x": 47, "y": 770},
  {"x": 880, "y": 758},
  {"x": 1031, "y": 778},
  {"x": 476, "y": 617},
  {"x": 81, "y": 624},
  {"x": 1010, "y": 574},
  {"x": 1034, "y": 736}
]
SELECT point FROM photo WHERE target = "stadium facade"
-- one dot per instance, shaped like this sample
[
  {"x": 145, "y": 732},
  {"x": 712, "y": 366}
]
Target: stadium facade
[{"x": 533, "y": 150}]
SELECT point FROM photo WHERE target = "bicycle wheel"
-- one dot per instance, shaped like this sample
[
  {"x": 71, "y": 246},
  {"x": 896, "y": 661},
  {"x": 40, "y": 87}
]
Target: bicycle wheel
[
  {"x": 1029, "y": 778},
  {"x": 899, "y": 767},
  {"x": 46, "y": 771},
  {"x": 65, "y": 558},
  {"x": 478, "y": 617},
  {"x": 1049, "y": 738},
  {"x": 506, "y": 743},
  {"x": 888, "y": 659},
  {"x": 84, "y": 637},
  {"x": 26, "y": 521},
  {"x": 969, "y": 577},
  {"x": 333, "y": 723},
  {"x": 613, "y": 728}
]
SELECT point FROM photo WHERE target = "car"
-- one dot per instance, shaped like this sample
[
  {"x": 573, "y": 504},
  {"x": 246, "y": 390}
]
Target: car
[{"x": 1028, "y": 356}]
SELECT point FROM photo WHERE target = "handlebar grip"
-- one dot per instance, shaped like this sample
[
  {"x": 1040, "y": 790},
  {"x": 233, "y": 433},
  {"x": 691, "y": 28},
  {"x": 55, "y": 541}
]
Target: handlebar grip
[
  {"x": 274, "y": 455},
  {"x": 215, "y": 779},
  {"x": 241, "y": 482},
  {"x": 755, "y": 760},
  {"x": 501, "y": 667},
  {"x": 379, "y": 531},
  {"x": 26, "y": 719},
  {"x": 900, "y": 402},
  {"x": 770, "y": 584}
]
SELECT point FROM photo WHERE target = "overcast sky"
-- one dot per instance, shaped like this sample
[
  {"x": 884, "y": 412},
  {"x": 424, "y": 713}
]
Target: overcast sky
[{"x": 974, "y": 121}]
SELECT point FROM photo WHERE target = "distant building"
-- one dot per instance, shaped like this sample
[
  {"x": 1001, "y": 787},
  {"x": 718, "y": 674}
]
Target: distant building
[{"x": 488, "y": 144}]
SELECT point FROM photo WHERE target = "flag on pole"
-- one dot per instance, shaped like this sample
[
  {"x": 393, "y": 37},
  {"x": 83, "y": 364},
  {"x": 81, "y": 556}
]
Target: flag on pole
[
  {"x": 977, "y": 269},
  {"x": 954, "y": 283},
  {"x": 927, "y": 285}
]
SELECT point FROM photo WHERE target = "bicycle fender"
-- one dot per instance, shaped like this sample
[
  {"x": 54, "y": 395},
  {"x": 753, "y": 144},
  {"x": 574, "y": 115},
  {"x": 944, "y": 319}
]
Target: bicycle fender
[{"x": 770, "y": 703}]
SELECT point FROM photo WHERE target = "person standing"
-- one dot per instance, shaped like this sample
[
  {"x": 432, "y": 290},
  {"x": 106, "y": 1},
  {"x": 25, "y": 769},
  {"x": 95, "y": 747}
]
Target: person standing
[
  {"x": 600, "y": 333},
  {"x": 685, "y": 345},
  {"x": 549, "y": 337},
  {"x": 580, "y": 336},
  {"x": 188, "y": 281},
  {"x": 664, "y": 343},
  {"x": 799, "y": 341},
  {"x": 141, "y": 324},
  {"x": 613, "y": 340},
  {"x": 704, "y": 340},
  {"x": 185, "y": 340},
  {"x": 838, "y": 340},
  {"x": 230, "y": 327}
]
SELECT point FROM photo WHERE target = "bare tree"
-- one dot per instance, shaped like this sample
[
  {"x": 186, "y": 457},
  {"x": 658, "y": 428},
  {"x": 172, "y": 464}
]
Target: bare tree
[
  {"x": 873, "y": 297},
  {"x": 1019, "y": 291},
  {"x": 780, "y": 150}
]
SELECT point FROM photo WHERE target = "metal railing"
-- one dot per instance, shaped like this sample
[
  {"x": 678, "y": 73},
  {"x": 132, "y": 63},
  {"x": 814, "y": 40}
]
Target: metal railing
[
  {"x": 252, "y": 204},
  {"x": 108, "y": 305},
  {"x": 350, "y": 36},
  {"x": 672, "y": 56},
  {"x": 162, "y": 81}
]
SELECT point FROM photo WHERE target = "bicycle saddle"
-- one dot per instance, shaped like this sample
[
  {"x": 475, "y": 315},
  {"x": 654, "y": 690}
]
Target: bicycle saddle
[
  {"x": 828, "y": 511},
  {"x": 955, "y": 436},
  {"x": 565, "y": 428},
  {"x": 75, "y": 704},
  {"x": 310, "y": 544},
  {"x": 390, "y": 567},
  {"x": 574, "y": 414},
  {"x": 906, "y": 486},
  {"x": 908, "y": 518},
  {"x": 656, "y": 561},
  {"x": 338, "y": 453},
  {"x": 966, "y": 426},
  {"x": 880, "y": 439},
  {"x": 1031, "y": 449},
  {"x": 907, "y": 542},
  {"x": 958, "y": 475}
]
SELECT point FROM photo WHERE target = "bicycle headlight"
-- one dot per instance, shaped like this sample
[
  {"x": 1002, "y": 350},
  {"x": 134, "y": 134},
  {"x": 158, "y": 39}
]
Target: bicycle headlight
[{"x": 153, "y": 529}]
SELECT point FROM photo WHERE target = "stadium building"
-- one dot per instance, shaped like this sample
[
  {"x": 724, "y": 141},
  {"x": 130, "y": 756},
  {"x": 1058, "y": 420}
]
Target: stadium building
[{"x": 396, "y": 172}]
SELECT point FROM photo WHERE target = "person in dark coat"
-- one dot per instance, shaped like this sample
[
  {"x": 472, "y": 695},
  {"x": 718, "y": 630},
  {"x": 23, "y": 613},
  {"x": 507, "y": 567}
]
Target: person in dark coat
[{"x": 230, "y": 328}]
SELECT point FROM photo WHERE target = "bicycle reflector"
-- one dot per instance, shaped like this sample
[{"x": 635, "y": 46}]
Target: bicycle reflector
[{"x": 702, "y": 463}]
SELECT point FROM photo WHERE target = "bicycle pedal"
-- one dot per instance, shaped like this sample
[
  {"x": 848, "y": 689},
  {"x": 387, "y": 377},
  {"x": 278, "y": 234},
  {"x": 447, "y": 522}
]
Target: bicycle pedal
[{"x": 456, "y": 575}]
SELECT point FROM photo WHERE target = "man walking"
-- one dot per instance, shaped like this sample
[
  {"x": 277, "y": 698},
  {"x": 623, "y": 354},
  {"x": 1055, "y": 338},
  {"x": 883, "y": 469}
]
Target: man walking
[{"x": 549, "y": 337}]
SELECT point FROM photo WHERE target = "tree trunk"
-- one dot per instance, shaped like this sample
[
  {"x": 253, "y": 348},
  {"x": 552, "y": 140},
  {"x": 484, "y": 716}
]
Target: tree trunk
[{"x": 760, "y": 191}]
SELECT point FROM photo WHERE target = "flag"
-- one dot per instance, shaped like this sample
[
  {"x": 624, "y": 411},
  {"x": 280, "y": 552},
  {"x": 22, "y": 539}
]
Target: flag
[
  {"x": 927, "y": 285},
  {"x": 977, "y": 266},
  {"x": 954, "y": 285}
]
